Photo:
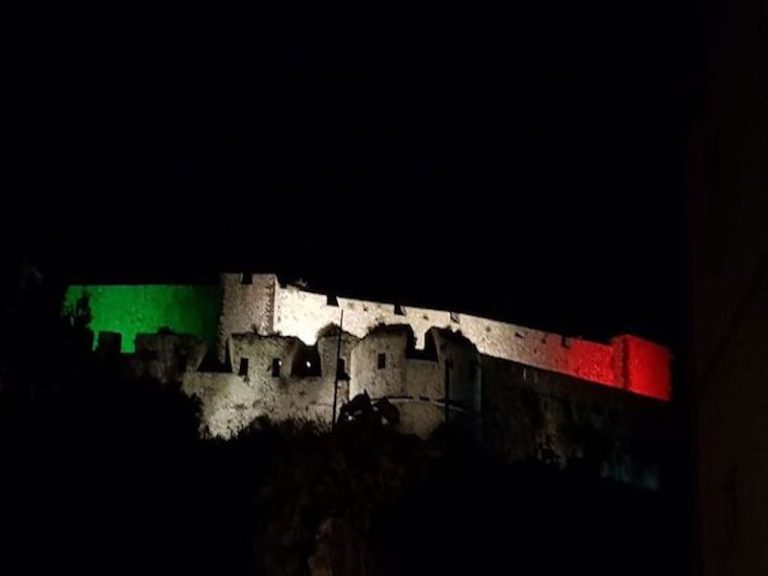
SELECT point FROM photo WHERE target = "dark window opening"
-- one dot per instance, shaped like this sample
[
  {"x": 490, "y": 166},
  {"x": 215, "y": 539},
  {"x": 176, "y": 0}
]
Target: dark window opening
[
  {"x": 429, "y": 352},
  {"x": 566, "y": 342},
  {"x": 276, "y": 363},
  {"x": 455, "y": 317},
  {"x": 306, "y": 362},
  {"x": 519, "y": 335},
  {"x": 331, "y": 300},
  {"x": 246, "y": 278},
  {"x": 382, "y": 361},
  {"x": 399, "y": 311},
  {"x": 342, "y": 370},
  {"x": 243, "y": 367}
]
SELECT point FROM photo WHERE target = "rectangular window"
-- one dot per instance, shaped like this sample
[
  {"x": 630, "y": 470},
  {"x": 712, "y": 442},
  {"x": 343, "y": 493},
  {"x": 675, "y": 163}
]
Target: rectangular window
[
  {"x": 382, "y": 360},
  {"x": 276, "y": 363},
  {"x": 243, "y": 367},
  {"x": 246, "y": 278},
  {"x": 341, "y": 370}
]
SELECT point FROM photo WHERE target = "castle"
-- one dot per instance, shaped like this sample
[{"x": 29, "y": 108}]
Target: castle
[{"x": 284, "y": 352}]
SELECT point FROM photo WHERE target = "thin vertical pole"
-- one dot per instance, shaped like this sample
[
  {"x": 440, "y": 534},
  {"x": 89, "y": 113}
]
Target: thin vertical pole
[{"x": 336, "y": 381}]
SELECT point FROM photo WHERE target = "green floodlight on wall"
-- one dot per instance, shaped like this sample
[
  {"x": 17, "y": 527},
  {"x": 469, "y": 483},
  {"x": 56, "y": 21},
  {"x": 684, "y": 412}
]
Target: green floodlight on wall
[{"x": 142, "y": 309}]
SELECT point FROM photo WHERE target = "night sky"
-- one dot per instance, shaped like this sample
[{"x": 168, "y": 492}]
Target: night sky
[{"x": 524, "y": 161}]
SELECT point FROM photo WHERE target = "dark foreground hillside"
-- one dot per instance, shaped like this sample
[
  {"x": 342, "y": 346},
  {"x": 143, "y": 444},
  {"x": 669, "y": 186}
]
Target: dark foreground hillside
[{"x": 111, "y": 478}]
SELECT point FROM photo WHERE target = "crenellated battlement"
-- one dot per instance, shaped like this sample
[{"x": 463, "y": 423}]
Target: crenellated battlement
[
  {"x": 261, "y": 303},
  {"x": 278, "y": 352}
]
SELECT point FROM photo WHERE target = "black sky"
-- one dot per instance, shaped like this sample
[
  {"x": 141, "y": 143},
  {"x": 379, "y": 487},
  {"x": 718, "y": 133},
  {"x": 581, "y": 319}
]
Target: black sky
[{"x": 520, "y": 160}]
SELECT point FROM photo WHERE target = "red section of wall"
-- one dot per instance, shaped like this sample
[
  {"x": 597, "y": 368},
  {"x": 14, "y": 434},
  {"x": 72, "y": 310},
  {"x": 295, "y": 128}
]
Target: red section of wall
[
  {"x": 628, "y": 362},
  {"x": 644, "y": 367},
  {"x": 591, "y": 361}
]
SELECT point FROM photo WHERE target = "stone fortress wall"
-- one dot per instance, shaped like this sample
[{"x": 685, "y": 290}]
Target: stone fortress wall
[
  {"x": 259, "y": 302},
  {"x": 277, "y": 345},
  {"x": 273, "y": 376},
  {"x": 282, "y": 378},
  {"x": 524, "y": 392}
]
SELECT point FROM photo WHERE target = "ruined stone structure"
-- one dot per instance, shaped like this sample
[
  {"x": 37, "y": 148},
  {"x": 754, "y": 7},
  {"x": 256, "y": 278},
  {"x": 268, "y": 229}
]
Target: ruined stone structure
[
  {"x": 281, "y": 377},
  {"x": 259, "y": 303},
  {"x": 165, "y": 357},
  {"x": 273, "y": 376},
  {"x": 282, "y": 352}
]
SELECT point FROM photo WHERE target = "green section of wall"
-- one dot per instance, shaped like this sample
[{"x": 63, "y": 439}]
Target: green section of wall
[{"x": 133, "y": 310}]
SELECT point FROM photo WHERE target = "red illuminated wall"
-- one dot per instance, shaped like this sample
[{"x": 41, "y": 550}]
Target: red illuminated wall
[
  {"x": 628, "y": 362},
  {"x": 642, "y": 367},
  {"x": 591, "y": 361}
]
